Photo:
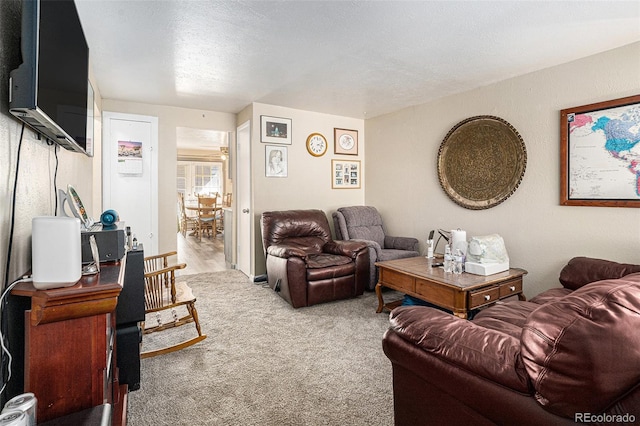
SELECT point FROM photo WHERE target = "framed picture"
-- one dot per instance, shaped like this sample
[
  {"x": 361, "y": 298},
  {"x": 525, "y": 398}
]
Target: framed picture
[
  {"x": 275, "y": 130},
  {"x": 345, "y": 141},
  {"x": 345, "y": 174},
  {"x": 276, "y": 161},
  {"x": 600, "y": 154}
]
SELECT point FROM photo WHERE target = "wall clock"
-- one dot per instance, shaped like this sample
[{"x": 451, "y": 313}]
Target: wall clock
[{"x": 316, "y": 144}]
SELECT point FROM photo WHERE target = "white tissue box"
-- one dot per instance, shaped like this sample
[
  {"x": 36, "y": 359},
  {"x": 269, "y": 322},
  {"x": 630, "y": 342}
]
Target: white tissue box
[{"x": 485, "y": 268}]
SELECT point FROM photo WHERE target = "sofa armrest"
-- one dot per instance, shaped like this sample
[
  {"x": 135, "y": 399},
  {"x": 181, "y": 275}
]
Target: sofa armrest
[
  {"x": 580, "y": 271},
  {"x": 374, "y": 247},
  {"x": 349, "y": 248},
  {"x": 401, "y": 243},
  {"x": 481, "y": 351},
  {"x": 285, "y": 252},
  {"x": 429, "y": 391}
]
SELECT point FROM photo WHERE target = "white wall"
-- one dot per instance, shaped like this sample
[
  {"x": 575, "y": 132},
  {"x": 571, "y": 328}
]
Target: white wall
[
  {"x": 169, "y": 119},
  {"x": 308, "y": 185},
  {"x": 541, "y": 236},
  {"x": 35, "y": 191}
]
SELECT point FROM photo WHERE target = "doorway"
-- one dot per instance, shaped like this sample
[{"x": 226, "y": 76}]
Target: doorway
[{"x": 202, "y": 169}]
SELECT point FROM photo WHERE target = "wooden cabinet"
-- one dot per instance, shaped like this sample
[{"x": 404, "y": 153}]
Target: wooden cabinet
[{"x": 69, "y": 344}]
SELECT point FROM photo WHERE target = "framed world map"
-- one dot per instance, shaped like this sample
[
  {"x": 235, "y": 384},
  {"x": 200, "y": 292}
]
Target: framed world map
[{"x": 600, "y": 154}]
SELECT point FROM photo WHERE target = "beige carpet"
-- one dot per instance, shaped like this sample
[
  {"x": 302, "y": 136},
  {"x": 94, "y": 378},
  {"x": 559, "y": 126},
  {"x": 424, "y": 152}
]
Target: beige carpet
[{"x": 265, "y": 363}]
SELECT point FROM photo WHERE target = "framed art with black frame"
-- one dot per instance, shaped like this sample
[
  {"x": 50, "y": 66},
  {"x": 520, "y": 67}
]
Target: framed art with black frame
[{"x": 275, "y": 130}]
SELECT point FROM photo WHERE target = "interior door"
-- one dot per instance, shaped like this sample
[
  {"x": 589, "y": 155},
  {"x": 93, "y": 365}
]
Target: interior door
[
  {"x": 130, "y": 173},
  {"x": 243, "y": 205}
]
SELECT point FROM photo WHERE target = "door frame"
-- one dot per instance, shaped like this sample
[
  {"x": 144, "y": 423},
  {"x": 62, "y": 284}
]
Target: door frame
[
  {"x": 107, "y": 169},
  {"x": 243, "y": 198}
]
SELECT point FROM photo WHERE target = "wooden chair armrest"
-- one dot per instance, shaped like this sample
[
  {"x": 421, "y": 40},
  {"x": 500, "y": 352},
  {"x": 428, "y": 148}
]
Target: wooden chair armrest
[
  {"x": 158, "y": 261},
  {"x": 162, "y": 255},
  {"x": 165, "y": 270}
]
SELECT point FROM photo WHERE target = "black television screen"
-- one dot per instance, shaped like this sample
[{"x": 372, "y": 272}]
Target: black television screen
[{"x": 50, "y": 90}]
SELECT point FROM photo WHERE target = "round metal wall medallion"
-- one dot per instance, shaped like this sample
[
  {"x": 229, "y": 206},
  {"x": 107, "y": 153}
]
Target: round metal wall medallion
[{"x": 481, "y": 162}]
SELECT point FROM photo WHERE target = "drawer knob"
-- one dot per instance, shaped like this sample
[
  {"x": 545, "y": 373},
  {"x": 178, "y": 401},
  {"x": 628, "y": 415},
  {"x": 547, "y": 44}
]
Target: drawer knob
[
  {"x": 487, "y": 297},
  {"x": 512, "y": 288}
]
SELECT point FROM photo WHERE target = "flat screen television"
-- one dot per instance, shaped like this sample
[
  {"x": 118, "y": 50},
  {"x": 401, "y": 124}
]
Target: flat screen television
[{"x": 50, "y": 90}]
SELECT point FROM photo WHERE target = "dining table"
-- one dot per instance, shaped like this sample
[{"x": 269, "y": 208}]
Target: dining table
[{"x": 201, "y": 209}]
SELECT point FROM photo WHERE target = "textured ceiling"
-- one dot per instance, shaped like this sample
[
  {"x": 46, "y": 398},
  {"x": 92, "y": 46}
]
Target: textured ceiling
[{"x": 353, "y": 58}]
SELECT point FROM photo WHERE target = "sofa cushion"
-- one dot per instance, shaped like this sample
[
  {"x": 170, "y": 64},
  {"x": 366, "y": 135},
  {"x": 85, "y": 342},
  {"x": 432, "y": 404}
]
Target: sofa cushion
[
  {"x": 584, "y": 270},
  {"x": 550, "y": 295},
  {"x": 463, "y": 343},
  {"x": 581, "y": 352},
  {"x": 506, "y": 317},
  {"x": 323, "y": 260}
]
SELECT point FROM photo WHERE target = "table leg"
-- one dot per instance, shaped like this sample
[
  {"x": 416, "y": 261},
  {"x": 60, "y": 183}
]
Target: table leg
[
  {"x": 462, "y": 315},
  {"x": 380, "y": 300}
]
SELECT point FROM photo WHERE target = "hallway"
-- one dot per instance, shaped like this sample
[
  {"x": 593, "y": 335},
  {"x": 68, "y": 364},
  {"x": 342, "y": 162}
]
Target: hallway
[{"x": 201, "y": 256}]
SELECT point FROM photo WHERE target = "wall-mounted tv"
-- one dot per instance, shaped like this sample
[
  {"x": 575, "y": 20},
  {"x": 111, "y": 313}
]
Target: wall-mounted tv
[{"x": 50, "y": 90}]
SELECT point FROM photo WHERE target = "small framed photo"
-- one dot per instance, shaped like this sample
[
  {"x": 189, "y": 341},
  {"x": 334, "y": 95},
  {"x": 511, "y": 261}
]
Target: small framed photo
[
  {"x": 275, "y": 130},
  {"x": 345, "y": 141},
  {"x": 345, "y": 174},
  {"x": 276, "y": 161}
]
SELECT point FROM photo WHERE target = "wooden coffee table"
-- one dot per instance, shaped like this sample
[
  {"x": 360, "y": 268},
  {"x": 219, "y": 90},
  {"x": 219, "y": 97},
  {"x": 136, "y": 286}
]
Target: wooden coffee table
[{"x": 459, "y": 293}]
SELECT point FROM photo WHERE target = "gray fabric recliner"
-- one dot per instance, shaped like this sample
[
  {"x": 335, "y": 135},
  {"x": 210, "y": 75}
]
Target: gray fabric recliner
[{"x": 364, "y": 223}]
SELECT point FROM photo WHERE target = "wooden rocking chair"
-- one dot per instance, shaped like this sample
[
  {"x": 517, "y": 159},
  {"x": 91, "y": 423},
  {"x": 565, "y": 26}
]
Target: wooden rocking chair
[{"x": 162, "y": 293}]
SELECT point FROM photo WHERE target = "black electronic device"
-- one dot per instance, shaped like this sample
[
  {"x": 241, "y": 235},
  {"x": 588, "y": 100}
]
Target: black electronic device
[
  {"x": 130, "y": 308},
  {"x": 130, "y": 312},
  {"x": 128, "y": 340},
  {"x": 50, "y": 90},
  {"x": 110, "y": 241}
]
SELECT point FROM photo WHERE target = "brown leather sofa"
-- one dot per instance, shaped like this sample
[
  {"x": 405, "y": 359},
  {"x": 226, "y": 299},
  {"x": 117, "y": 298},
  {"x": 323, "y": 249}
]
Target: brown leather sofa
[
  {"x": 568, "y": 355},
  {"x": 305, "y": 265}
]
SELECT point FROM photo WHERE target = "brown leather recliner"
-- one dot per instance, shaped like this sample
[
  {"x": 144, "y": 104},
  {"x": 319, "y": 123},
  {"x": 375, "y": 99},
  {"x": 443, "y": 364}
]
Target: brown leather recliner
[
  {"x": 305, "y": 265},
  {"x": 568, "y": 355}
]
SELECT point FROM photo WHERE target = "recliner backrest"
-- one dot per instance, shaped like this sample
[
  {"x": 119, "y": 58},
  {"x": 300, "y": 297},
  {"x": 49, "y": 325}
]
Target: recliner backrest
[
  {"x": 305, "y": 229},
  {"x": 363, "y": 223}
]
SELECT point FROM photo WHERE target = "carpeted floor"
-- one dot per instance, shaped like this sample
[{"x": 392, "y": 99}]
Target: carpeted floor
[{"x": 265, "y": 363}]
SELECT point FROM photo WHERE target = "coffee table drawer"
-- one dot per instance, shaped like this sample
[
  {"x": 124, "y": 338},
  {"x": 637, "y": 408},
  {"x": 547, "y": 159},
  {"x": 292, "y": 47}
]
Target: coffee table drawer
[
  {"x": 510, "y": 288},
  {"x": 484, "y": 296},
  {"x": 398, "y": 281}
]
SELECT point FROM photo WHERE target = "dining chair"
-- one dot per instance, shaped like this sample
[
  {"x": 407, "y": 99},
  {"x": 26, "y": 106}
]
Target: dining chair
[
  {"x": 227, "y": 199},
  {"x": 207, "y": 215},
  {"x": 186, "y": 222}
]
